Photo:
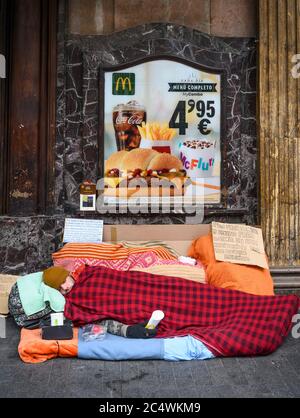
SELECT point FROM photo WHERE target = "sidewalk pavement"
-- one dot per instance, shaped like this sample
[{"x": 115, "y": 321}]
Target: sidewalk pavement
[{"x": 276, "y": 375}]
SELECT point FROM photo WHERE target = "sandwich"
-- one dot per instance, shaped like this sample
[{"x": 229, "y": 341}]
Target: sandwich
[{"x": 144, "y": 172}]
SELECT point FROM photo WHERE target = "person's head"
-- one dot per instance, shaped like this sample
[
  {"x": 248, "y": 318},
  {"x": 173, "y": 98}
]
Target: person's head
[
  {"x": 58, "y": 278},
  {"x": 67, "y": 285}
]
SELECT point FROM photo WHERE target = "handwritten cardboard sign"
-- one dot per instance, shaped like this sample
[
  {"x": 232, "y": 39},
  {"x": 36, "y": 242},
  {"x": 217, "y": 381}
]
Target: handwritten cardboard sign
[{"x": 240, "y": 244}]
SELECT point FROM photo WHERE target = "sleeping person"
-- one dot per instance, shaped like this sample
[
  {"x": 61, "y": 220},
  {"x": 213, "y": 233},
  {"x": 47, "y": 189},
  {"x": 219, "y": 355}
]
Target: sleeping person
[
  {"x": 35, "y": 296},
  {"x": 213, "y": 321}
]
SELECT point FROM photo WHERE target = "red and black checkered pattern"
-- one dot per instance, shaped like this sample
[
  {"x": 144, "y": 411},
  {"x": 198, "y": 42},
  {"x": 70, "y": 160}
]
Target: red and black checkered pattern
[{"x": 229, "y": 322}]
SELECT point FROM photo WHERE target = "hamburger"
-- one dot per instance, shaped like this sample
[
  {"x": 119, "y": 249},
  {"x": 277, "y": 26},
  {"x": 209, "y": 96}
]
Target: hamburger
[{"x": 144, "y": 172}]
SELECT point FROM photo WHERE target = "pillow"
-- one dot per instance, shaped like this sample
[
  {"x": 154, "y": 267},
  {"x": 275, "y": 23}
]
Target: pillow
[
  {"x": 196, "y": 274},
  {"x": 249, "y": 279},
  {"x": 144, "y": 259},
  {"x": 72, "y": 264},
  {"x": 70, "y": 253}
]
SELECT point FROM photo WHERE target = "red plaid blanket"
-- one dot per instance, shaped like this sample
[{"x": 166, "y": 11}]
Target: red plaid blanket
[{"x": 229, "y": 322}]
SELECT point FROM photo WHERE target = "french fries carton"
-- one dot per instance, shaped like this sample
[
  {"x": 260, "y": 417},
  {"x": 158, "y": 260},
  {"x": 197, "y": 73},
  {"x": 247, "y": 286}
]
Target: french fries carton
[{"x": 156, "y": 136}]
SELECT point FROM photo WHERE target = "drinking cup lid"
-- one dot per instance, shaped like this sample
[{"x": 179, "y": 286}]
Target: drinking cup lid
[{"x": 158, "y": 315}]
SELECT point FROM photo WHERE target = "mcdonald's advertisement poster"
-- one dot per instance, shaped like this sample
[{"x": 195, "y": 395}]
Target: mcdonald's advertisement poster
[{"x": 162, "y": 121}]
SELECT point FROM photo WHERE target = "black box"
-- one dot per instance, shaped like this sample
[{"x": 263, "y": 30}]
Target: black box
[{"x": 60, "y": 332}]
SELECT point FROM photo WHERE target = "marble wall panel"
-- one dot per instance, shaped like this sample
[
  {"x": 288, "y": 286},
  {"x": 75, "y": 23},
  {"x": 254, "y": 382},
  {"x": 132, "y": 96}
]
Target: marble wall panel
[
  {"x": 85, "y": 56},
  {"x": 232, "y": 18},
  {"x": 59, "y": 189},
  {"x": 28, "y": 242}
]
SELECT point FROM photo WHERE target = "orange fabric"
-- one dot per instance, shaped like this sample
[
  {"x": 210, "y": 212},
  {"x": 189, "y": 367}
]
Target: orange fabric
[
  {"x": 248, "y": 279},
  {"x": 33, "y": 349},
  {"x": 202, "y": 249},
  {"x": 104, "y": 251},
  {"x": 107, "y": 251}
]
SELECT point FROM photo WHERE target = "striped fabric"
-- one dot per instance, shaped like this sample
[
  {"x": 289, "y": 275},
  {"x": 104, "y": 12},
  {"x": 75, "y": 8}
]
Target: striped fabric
[
  {"x": 107, "y": 251},
  {"x": 149, "y": 244},
  {"x": 132, "y": 262}
]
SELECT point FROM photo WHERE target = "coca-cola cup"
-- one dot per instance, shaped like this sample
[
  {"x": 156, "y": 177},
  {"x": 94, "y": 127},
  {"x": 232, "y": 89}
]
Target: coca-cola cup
[{"x": 126, "y": 119}]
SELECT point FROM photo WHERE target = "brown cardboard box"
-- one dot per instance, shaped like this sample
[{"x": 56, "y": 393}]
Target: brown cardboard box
[
  {"x": 6, "y": 283},
  {"x": 179, "y": 237},
  {"x": 239, "y": 244}
]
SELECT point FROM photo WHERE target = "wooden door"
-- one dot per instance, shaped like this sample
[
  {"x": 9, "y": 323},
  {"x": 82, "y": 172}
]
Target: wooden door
[{"x": 29, "y": 102}]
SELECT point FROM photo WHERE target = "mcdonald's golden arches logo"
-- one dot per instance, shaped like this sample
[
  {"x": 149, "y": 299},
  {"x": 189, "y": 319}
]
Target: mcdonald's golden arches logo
[{"x": 123, "y": 84}]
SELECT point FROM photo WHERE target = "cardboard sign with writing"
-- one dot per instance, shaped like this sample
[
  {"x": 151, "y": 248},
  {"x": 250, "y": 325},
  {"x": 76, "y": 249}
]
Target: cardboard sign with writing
[{"x": 240, "y": 244}]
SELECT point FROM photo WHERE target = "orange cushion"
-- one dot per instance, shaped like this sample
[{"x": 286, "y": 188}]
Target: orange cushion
[
  {"x": 248, "y": 279},
  {"x": 33, "y": 349}
]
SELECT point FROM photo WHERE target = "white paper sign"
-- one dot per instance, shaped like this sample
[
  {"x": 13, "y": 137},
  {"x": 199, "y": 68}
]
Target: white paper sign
[{"x": 83, "y": 230}]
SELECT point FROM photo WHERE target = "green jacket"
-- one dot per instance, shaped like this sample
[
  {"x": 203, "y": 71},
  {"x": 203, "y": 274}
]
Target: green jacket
[{"x": 34, "y": 294}]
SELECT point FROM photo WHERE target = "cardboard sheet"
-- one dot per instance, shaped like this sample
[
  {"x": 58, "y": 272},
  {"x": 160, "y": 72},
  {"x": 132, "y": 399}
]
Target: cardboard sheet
[
  {"x": 240, "y": 244},
  {"x": 179, "y": 237},
  {"x": 6, "y": 283}
]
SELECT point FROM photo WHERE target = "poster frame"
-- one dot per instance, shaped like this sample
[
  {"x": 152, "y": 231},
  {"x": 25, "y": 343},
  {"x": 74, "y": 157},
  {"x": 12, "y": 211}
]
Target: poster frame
[{"x": 222, "y": 205}]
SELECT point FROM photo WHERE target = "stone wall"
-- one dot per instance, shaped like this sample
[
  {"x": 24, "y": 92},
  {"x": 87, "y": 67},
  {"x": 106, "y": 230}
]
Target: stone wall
[
  {"x": 26, "y": 243},
  {"x": 79, "y": 128},
  {"x": 233, "y": 18}
]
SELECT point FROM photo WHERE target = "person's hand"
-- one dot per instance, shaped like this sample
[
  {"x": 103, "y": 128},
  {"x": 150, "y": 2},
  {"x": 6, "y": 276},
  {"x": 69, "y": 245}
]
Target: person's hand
[{"x": 139, "y": 331}]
